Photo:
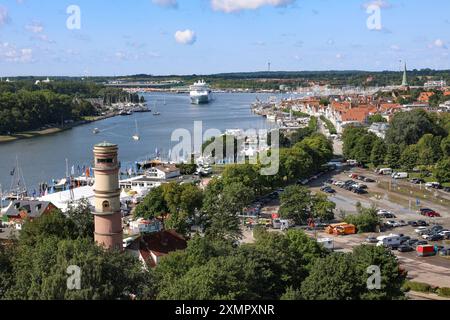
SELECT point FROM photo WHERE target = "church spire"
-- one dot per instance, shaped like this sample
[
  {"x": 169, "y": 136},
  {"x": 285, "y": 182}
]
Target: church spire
[{"x": 405, "y": 78}]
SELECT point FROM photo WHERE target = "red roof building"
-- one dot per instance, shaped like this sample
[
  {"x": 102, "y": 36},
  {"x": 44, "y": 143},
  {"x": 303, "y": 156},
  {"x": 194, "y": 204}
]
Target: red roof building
[
  {"x": 425, "y": 97},
  {"x": 152, "y": 247}
]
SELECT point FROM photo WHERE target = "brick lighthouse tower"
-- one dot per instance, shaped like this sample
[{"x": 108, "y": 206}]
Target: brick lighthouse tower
[{"x": 108, "y": 218}]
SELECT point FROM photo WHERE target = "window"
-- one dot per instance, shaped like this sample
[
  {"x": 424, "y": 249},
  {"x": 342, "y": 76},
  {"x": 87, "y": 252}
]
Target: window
[
  {"x": 105, "y": 206},
  {"x": 105, "y": 161}
]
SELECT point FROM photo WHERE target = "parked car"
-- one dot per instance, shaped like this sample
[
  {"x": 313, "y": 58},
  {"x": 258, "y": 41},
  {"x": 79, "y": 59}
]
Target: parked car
[
  {"x": 437, "y": 228},
  {"x": 413, "y": 223},
  {"x": 404, "y": 239},
  {"x": 339, "y": 183},
  {"x": 386, "y": 214},
  {"x": 328, "y": 190},
  {"x": 417, "y": 181},
  {"x": 405, "y": 248},
  {"x": 359, "y": 191},
  {"x": 369, "y": 180},
  {"x": 421, "y": 230},
  {"x": 412, "y": 242},
  {"x": 392, "y": 224},
  {"x": 434, "y": 237},
  {"x": 400, "y": 175},
  {"x": 371, "y": 239},
  {"x": 422, "y": 223},
  {"x": 433, "y": 185},
  {"x": 432, "y": 214},
  {"x": 402, "y": 223},
  {"x": 444, "y": 252}
]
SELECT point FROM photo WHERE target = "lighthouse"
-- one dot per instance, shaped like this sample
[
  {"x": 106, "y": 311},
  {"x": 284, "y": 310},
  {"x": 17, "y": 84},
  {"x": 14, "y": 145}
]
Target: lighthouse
[{"x": 107, "y": 214}]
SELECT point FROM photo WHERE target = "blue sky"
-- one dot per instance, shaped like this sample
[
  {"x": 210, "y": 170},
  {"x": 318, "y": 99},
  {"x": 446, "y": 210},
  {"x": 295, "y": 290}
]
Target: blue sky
[{"x": 119, "y": 37}]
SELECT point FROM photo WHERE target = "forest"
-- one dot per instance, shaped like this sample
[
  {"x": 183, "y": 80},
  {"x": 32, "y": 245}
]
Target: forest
[{"x": 25, "y": 105}]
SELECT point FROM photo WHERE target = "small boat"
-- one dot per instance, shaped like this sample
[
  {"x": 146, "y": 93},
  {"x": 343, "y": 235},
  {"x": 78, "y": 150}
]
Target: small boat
[
  {"x": 136, "y": 136},
  {"x": 156, "y": 113},
  {"x": 96, "y": 131}
]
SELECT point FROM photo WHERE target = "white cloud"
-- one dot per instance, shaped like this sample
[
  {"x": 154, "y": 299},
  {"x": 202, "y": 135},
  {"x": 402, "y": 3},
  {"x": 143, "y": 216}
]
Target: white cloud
[
  {"x": 439, "y": 43},
  {"x": 185, "y": 37},
  {"x": 238, "y": 5},
  {"x": 10, "y": 53},
  {"x": 166, "y": 3},
  {"x": 395, "y": 47},
  {"x": 4, "y": 16},
  {"x": 37, "y": 29}
]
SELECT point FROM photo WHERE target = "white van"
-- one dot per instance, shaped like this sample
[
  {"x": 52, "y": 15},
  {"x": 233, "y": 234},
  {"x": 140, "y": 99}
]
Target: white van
[
  {"x": 385, "y": 171},
  {"x": 276, "y": 223},
  {"x": 400, "y": 175},
  {"x": 390, "y": 241},
  {"x": 127, "y": 242}
]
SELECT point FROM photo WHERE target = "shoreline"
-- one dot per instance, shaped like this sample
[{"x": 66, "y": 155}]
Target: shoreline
[{"x": 49, "y": 131}]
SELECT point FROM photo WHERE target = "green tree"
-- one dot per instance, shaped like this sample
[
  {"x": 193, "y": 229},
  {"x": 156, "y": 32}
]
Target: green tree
[
  {"x": 323, "y": 208},
  {"x": 393, "y": 155},
  {"x": 296, "y": 203},
  {"x": 363, "y": 149},
  {"x": 410, "y": 157},
  {"x": 376, "y": 118},
  {"x": 40, "y": 272},
  {"x": 429, "y": 148},
  {"x": 153, "y": 205},
  {"x": 332, "y": 278},
  {"x": 445, "y": 146},
  {"x": 366, "y": 220},
  {"x": 408, "y": 127},
  {"x": 222, "y": 206},
  {"x": 378, "y": 154},
  {"x": 83, "y": 219},
  {"x": 350, "y": 138},
  {"x": 442, "y": 171},
  {"x": 392, "y": 279}
]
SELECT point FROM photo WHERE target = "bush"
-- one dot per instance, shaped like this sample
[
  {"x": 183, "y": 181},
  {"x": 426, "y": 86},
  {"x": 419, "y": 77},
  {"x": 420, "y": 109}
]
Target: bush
[
  {"x": 444, "y": 292},
  {"x": 365, "y": 221},
  {"x": 418, "y": 287}
]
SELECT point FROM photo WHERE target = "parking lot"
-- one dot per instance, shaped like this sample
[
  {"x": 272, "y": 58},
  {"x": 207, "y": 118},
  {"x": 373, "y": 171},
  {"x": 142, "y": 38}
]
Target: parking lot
[{"x": 400, "y": 198}]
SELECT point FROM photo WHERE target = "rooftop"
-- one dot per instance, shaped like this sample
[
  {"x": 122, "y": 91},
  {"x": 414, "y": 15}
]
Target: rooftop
[{"x": 105, "y": 145}]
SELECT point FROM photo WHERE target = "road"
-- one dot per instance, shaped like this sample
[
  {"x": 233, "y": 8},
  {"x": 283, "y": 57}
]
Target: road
[
  {"x": 337, "y": 144},
  {"x": 433, "y": 270}
]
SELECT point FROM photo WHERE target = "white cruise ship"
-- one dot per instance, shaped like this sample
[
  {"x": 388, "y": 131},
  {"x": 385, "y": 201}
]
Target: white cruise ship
[{"x": 200, "y": 93}]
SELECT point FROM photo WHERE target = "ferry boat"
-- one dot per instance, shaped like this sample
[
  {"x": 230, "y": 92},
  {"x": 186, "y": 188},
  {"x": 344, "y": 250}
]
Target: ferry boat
[{"x": 200, "y": 93}]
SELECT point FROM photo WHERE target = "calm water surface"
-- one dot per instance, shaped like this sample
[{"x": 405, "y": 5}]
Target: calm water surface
[{"x": 44, "y": 158}]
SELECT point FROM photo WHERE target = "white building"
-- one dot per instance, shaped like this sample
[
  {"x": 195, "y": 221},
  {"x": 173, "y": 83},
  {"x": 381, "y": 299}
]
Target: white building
[
  {"x": 379, "y": 129},
  {"x": 435, "y": 84},
  {"x": 163, "y": 172}
]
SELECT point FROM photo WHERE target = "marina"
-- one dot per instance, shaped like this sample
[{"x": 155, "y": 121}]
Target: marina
[{"x": 43, "y": 159}]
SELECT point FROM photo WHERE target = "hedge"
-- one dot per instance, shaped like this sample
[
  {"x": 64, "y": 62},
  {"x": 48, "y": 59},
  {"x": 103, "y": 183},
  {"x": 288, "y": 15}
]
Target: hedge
[{"x": 418, "y": 287}]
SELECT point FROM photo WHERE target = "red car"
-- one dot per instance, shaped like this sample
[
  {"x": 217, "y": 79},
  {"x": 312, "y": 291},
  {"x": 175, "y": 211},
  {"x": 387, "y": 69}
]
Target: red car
[{"x": 431, "y": 214}]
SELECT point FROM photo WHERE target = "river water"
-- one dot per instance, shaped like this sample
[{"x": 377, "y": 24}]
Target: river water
[{"x": 44, "y": 158}]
